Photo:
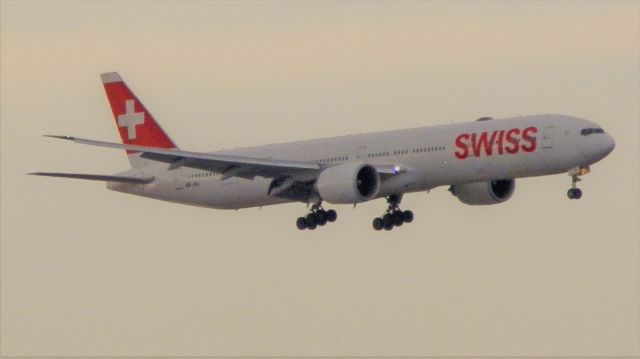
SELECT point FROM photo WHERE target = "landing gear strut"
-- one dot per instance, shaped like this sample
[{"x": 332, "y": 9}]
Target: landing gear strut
[
  {"x": 393, "y": 216},
  {"x": 574, "y": 192},
  {"x": 317, "y": 216}
]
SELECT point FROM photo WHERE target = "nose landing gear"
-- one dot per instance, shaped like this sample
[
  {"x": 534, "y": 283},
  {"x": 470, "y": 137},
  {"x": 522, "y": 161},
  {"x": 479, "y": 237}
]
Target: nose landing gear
[
  {"x": 393, "y": 216},
  {"x": 574, "y": 192},
  {"x": 317, "y": 216}
]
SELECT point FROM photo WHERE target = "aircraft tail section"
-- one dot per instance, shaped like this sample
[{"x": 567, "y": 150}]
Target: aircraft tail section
[{"x": 135, "y": 123}]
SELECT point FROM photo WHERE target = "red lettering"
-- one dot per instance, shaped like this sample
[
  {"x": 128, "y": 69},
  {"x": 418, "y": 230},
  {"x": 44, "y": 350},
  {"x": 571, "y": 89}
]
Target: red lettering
[
  {"x": 500, "y": 141},
  {"x": 477, "y": 144},
  {"x": 506, "y": 141},
  {"x": 512, "y": 141},
  {"x": 528, "y": 135},
  {"x": 489, "y": 149},
  {"x": 463, "y": 150}
]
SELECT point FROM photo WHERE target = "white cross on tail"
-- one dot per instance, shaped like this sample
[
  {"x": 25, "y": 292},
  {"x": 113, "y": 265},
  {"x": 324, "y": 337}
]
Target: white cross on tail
[{"x": 130, "y": 119}]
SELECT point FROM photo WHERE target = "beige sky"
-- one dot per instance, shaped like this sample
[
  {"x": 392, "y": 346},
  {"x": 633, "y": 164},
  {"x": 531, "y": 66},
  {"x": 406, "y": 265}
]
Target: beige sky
[{"x": 87, "y": 272}]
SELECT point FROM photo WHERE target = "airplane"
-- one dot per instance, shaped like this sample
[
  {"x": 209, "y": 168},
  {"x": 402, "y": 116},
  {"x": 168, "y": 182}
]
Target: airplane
[{"x": 478, "y": 160}]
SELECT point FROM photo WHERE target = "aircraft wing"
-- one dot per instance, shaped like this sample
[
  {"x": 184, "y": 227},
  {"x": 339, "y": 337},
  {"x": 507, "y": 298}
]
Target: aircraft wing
[
  {"x": 228, "y": 165},
  {"x": 122, "y": 179}
]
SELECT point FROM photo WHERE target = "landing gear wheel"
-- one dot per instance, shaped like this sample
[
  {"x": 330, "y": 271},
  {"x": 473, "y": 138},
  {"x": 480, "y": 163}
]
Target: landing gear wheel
[
  {"x": 577, "y": 193},
  {"x": 321, "y": 218},
  {"x": 317, "y": 216},
  {"x": 574, "y": 193},
  {"x": 407, "y": 216},
  {"x": 394, "y": 216},
  {"x": 332, "y": 215},
  {"x": 311, "y": 218},
  {"x": 398, "y": 218},
  {"x": 387, "y": 222},
  {"x": 378, "y": 224},
  {"x": 301, "y": 223}
]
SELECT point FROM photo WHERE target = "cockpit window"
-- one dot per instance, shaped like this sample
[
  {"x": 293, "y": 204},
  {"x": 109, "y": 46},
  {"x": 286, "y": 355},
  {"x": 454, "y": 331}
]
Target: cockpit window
[{"x": 589, "y": 131}]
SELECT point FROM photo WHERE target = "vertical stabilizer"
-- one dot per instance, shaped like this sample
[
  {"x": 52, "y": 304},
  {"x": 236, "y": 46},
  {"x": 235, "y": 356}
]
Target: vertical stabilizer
[{"x": 135, "y": 124}]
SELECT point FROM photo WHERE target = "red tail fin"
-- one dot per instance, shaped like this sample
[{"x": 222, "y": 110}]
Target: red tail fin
[{"x": 135, "y": 124}]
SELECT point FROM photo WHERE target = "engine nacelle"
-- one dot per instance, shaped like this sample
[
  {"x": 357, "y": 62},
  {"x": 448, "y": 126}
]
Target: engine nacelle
[
  {"x": 483, "y": 193},
  {"x": 348, "y": 183}
]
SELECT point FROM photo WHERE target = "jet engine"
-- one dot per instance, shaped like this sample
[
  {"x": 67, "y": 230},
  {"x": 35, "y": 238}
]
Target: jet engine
[
  {"x": 483, "y": 193},
  {"x": 348, "y": 183}
]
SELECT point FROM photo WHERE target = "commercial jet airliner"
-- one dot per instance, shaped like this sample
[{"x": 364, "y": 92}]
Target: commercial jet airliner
[{"x": 478, "y": 160}]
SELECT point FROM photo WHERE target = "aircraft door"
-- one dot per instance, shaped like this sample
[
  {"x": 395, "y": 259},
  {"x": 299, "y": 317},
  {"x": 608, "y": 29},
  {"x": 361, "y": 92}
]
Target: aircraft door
[{"x": 547, "y": 137}]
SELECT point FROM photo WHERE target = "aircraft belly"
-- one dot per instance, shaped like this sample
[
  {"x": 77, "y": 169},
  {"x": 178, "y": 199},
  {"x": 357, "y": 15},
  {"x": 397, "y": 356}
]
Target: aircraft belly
[{"x": 234, "y": 193}]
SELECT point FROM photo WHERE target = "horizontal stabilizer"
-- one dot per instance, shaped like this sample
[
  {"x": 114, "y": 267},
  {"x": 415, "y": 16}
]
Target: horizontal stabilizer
[{"x": 122, "y": 179}]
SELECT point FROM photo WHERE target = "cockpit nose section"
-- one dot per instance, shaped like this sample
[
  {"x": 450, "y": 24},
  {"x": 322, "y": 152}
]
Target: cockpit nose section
[
  {"x": 595, "y": 144},
  {"x": 609, "y": 144}
]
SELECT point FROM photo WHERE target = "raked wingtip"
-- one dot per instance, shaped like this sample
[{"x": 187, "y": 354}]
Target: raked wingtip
[{"x": 70, "y": 138}]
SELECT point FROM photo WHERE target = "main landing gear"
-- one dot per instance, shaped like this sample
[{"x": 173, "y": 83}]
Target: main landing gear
[
  {"x": 393, "y": 216},
  {"x": 574, "y": 192},
  {"x": 317, "y": 216}
]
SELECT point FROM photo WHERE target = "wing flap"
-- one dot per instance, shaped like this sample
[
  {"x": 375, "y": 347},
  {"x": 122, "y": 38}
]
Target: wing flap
[{"x": 91, "y": 177}]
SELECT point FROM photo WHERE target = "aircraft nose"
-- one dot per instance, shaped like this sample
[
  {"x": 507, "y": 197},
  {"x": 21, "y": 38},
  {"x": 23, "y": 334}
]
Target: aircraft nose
[
  {"x": 596, "y": 147},
  {"x": 609, "y": 144}
]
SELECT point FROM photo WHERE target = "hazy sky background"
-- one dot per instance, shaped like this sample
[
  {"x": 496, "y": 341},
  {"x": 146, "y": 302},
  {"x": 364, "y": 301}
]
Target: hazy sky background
[{"x": 86, "y": 271}]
